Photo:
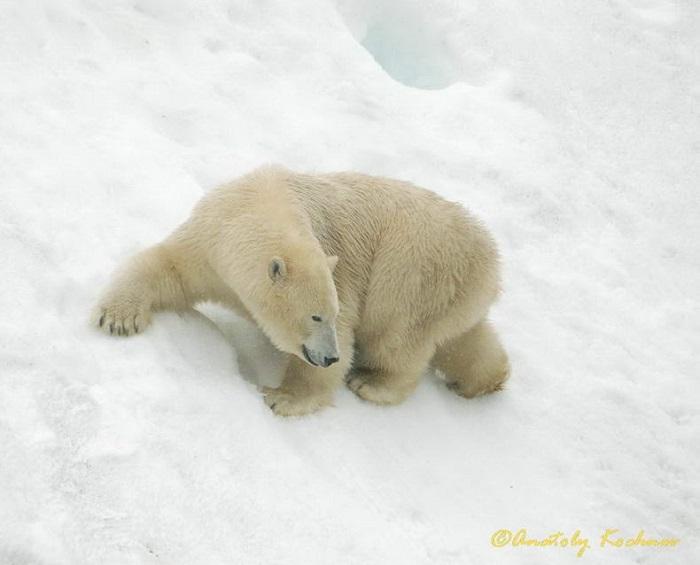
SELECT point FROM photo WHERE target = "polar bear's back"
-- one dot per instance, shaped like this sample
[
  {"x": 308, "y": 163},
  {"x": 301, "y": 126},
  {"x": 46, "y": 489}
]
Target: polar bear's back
[
  {"x": 376, "y": 214},
  {"x": 401, "y": 247}
]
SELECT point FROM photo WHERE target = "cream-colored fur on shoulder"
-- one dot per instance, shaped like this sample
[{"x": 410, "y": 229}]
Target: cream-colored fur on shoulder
[{"x": 357, "y": 278}]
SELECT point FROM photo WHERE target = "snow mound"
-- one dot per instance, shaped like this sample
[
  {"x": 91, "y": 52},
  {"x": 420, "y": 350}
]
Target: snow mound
[{"x": 405, "y": 39}]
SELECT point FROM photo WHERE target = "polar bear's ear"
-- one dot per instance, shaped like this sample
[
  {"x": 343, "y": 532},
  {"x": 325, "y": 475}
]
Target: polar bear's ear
[
  {"x": 332, "y": 262},
  {"x": 276, "y": 269}
]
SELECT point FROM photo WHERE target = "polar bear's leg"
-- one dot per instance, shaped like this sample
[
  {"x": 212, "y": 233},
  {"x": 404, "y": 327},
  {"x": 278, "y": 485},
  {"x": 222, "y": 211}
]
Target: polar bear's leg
[
  {"x": 474, "y": 363},
  {"x": 151, "y": 280},
  {"x": 389, "y": 380},
  {"x": 305, "y": 388}
]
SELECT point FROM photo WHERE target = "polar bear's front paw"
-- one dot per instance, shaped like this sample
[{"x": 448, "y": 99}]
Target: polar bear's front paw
[
  {"x": 285, "y": 403},
  {"x": 367, "y": 388},
  {"x": 484, "y": 383},
  {"x": 122, "y": 316}
]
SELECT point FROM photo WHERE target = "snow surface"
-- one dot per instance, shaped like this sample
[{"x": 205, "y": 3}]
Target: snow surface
[{"x": 571, "y": 128}]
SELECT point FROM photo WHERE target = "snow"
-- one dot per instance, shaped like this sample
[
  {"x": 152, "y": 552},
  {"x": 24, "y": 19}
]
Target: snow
[{"x": 571, "y": 129}]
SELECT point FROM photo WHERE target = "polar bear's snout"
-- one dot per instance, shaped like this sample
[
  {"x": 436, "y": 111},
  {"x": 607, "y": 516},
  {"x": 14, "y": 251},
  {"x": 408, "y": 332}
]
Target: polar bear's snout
[{"x": 321, "y": 349}]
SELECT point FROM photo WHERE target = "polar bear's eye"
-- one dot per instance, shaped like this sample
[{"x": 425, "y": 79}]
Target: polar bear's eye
[{"x": 316, "y": 318}]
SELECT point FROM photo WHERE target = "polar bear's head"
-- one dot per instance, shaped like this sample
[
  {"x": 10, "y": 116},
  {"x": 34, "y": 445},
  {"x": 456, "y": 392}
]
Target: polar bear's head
[{"x": 299, "y": 307}]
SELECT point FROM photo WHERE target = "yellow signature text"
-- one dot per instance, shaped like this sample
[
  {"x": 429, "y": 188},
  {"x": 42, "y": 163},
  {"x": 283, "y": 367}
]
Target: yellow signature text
[{"x": 610, "y": 538}]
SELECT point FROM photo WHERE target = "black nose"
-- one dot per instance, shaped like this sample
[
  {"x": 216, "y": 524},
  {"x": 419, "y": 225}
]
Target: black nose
[{"x": 328, "y": 361}]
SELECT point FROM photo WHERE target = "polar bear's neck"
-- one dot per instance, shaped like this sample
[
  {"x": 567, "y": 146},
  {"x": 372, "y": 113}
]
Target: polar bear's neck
[
  {"x": 256, "y": 218},
  {"x": 277, "y": 208}
]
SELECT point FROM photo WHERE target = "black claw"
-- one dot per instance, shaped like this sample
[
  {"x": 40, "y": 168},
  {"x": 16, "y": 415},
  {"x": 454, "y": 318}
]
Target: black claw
[
  {"x": 272, "y": 406},
  {"x": 102, "y": 319},
  {"x": 111, "y": 328}
]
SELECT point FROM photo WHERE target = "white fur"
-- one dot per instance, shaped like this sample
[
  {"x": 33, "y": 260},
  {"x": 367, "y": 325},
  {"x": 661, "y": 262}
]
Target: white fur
[{"x": 399, "y": 277}]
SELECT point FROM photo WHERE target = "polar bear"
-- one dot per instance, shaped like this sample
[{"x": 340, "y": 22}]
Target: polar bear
[{"x": 357, "y": 278}]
